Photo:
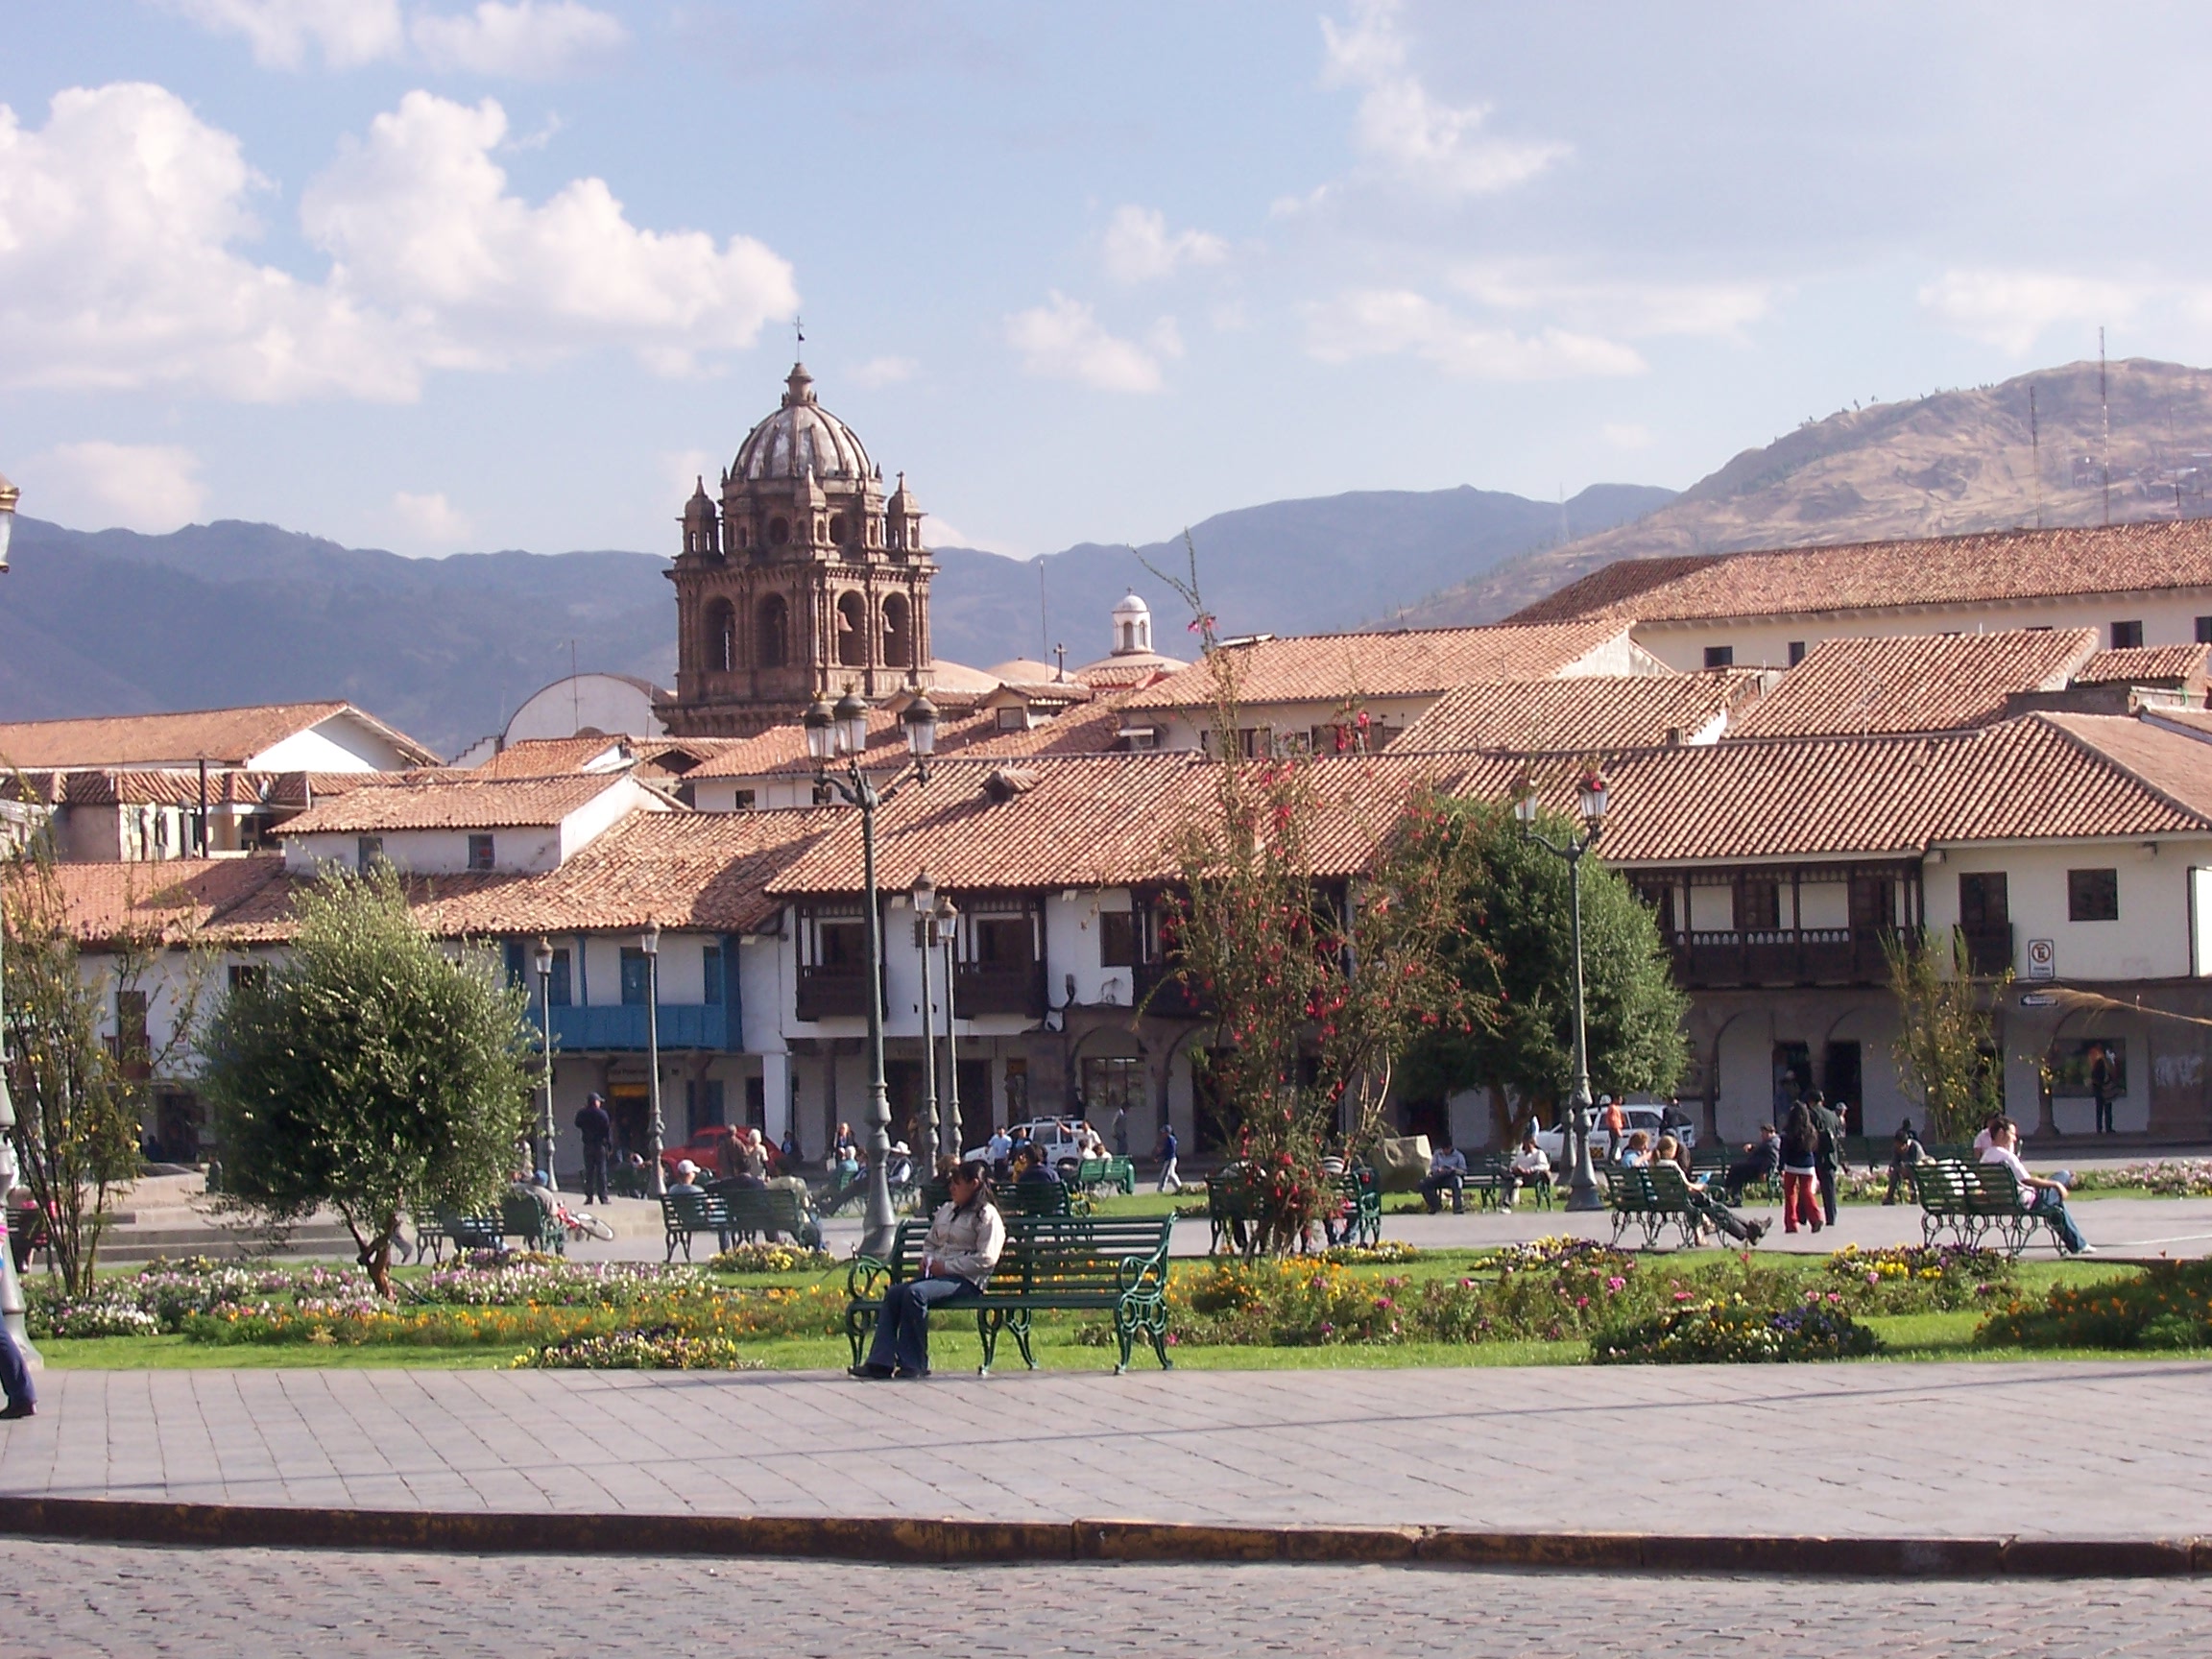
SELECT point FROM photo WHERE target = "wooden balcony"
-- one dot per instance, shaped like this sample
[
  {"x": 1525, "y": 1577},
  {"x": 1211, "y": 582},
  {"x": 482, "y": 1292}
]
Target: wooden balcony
[
  {"x": 980, "y": 988},
  {"x": 831, "y": 993},
  {"x": 1989, "y": 948},
  {"x": 1784, "y": 956}
]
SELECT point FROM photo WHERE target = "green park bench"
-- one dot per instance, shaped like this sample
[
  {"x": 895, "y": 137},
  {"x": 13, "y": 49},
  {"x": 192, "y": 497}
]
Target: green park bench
[
  {"x": 464, "y": 1233},
  {"x": 1361, "y": 1190},
  {"x": 1950, "y": 1195},
  {"x": 1491, "y": 1178},
  {"x": 1040, "y": 1199},
  {"x": 1998, "y": 1201},
  {"x": 754, "y": 1211},
  {"x": 1650, "y": 1196},
  {"x": 1232, "y": 1207},
  {"x": 1106, "y": 1174},
  {"x": 1050, "y": 1263},
  {"x": 685, "y": 1213}
]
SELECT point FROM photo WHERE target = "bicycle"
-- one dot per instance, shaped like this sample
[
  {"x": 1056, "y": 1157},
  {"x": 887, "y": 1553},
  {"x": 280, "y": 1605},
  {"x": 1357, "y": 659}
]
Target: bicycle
[{"x": 582, "y": 1224}]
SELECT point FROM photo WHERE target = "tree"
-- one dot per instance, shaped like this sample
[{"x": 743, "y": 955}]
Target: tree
[
  {"x": 1519, "y": 969},
  {"x": 372, "y": 1072},
  {"x": 1946, "y": 1034},
  {"x": 80, "y": 1095}
]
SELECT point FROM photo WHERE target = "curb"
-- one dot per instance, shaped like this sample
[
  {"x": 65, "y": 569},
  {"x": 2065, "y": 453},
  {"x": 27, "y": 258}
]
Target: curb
[{"x": 893, "y": 1541}]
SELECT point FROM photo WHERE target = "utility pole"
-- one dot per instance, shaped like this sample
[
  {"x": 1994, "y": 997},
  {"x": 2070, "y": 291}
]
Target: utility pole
[
  {"x": 2036, "y": 445},
  {"x": 2105, "y": 408}
]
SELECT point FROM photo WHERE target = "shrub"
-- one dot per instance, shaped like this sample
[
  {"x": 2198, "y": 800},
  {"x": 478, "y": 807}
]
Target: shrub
[
  {"x": 772, "y": 1258},
  {"x": 95, "y": 1318},
  {"x": 1917, "y": 1279},
  {"x": 662, "y": 1348},
  {"x": 1732, "y": 1331},
  {"x": 2168, "y": 1306}
]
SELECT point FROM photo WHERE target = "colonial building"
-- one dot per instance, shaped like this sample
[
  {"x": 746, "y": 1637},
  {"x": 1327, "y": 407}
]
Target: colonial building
[{"x": 806, "y": 578}]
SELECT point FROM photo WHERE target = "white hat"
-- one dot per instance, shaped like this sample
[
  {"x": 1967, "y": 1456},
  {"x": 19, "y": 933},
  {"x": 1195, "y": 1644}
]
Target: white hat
[
  {"x": 901, "y": 1148},
  {"x": 685, "y": 1167}
]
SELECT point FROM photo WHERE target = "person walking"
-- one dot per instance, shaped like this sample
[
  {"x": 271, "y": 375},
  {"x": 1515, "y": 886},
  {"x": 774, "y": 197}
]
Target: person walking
[
  {"x": 1169, "y": 1181},
  {"x": 966, "y": 1237},
  {"x": 1615, "y": 1123},
  {"x": 1828, "y": 1149},
  {"x": 1800, "y": 1169},
  {"x": 15, "y": 1381},
  {"x": 1121, "y": 1131},
  {"x": 597, "y": 1131}
]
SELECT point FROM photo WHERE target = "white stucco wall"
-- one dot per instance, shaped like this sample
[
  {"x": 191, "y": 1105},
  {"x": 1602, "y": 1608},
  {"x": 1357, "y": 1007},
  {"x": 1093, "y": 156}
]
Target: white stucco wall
[
  {"x": 604, "y": 703},
  {"x": 341, "y": 743},
  {"x": 2149, "y": 941}
]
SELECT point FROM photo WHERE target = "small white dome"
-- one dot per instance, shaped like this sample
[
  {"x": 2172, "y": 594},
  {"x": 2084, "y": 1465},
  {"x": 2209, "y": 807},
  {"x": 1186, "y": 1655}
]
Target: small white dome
[
  {"x": 1131, "y": 627},
  {"x": 1132, "y": 606}
]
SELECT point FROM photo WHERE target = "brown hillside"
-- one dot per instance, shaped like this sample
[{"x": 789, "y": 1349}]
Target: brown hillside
[{"x": 1942, "y": 465}]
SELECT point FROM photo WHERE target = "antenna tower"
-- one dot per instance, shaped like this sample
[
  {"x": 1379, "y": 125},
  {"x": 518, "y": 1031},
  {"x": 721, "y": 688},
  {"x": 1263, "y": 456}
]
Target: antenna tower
[
  {"x": 2036, "y": 445},
  {"x": 2105, "y": 408}
]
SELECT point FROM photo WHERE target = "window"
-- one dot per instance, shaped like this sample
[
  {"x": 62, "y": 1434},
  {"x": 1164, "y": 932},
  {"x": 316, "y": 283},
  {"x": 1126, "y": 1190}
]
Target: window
[
  {"x": 560, "y": 992},
  {"x": 1719, "y": 655},
  {"x": 743, "y": 800},
  {"x": 1111, "y": 1084},
  {"x": 1797, "y": 652},
  {"x": 1118, "y": 939},
  {"x": 2204, "y": 630},
  {"x": 842, "y": 945},
  {"x": 711, "y": 960},
  {"x": 636, "y": 976},
  {"x": 2092, "y": 895},
  {"x": 245, "y": 974},
  {"x": 1758, "y": 904},
  {"x": 704, "y": 1104},
  {"x": 2126, "y": 635},
  {"x": 1002, "y": 940},
  {"x": 1014, "y": 717},
  {"x": 772, "y": 632},
  {"x": 367, "y": 850},
  {"x": 823, "y": 795},
  {"x": 479, "y": 851},
  {"x": 1984, "y": 903},
  {"x": 2072, "y": 1070}
]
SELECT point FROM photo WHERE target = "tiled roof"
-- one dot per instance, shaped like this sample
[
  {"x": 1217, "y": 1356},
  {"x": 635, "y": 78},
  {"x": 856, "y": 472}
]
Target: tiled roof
[
  {"x": 176, "y": 899},
  {"x": 222, "y": 736},
  {"x": 1919, "y": 682},
  {"x": 464, "y": 803},
  {"x": 1983, "y": 569},
  {"x": 1608, "y": 588},
  {"x": 654, "y": 757},
  {"x": 1593, "y": 712},
  {"x": 1415, "y": 663},
  {"x": 2143, "y": 666}
]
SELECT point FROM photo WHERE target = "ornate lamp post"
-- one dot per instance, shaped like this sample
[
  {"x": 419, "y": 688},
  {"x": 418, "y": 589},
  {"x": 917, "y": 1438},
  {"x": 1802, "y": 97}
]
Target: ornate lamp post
[
  {"x": 11, "y": 1288},
  {"x": 651, "y": 943},
  {"x": 1582, "y": 1191},
  {"x": 947, "y": 935},
  {"x": 545, "y": 964},
  {"x": 840, "y": 733},
  {"x": 925, "y": 936}
]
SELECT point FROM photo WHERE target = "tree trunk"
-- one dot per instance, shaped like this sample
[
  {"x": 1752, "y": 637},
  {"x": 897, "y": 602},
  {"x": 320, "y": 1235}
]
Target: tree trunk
[{"x": 1502, "y": 1125}]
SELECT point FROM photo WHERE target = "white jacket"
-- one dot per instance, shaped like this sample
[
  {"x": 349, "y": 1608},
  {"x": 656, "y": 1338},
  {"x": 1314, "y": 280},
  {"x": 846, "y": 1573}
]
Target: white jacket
[{"x": 966, "y": 1243}]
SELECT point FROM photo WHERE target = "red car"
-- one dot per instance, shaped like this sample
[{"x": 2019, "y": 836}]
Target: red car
[{"x": 706, "y": 1149}]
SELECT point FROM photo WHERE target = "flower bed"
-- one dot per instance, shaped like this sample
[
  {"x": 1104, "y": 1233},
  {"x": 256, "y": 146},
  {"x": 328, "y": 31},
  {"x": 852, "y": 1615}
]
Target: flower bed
[
  {"x": 1915, "y": 1279},
  {"x": 1734, "y": 1331},
  {"x": 2168, "y": 1306},
  {"x": 773, "y": 1259},
  {"x": 2167, "y": 1178},
  {"x": 662, "y": 1348}
]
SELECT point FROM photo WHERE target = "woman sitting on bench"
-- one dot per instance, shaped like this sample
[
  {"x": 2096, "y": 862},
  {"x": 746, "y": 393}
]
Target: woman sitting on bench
[{"x": 966, "y": 1237}]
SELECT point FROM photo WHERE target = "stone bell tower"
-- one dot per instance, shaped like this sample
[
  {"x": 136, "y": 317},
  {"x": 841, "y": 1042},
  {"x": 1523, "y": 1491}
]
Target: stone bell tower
[{"x": 803, "y": 581}]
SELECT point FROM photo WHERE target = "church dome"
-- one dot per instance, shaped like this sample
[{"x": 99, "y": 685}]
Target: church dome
[{"x": 802, "y": 437}]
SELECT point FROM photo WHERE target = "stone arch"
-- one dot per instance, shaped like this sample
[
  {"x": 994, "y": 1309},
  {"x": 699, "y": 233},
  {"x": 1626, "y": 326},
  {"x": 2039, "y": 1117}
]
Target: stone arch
[
  {"x": 778, "y": 532},
  {"x": 898, "y": 632},
  {"x": 773, "y": 630},
  {"x": 852, "y": 630},
  {"x": 721, "y": 637}
]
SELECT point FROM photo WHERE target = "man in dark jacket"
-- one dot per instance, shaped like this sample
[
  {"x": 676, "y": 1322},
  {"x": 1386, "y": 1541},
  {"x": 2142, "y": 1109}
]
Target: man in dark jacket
[
  {"x": 1759, "y": 1162},
  {"x": 1828, "y": 1158},
  {"x": 597, "y": 1131}
]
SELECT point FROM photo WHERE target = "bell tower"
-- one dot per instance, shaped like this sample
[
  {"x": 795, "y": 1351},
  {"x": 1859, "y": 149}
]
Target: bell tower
[{"x": 803, "y": 579}]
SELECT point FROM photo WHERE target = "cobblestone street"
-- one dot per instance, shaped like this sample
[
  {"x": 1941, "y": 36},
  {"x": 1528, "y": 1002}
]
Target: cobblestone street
[{"x": 66, "y": 1599}]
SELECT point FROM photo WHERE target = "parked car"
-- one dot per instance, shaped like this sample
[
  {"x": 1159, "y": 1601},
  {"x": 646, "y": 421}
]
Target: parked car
[
  {"x": 704, "y": 1149},
  {"x": 1062, "y": 1141},
  {"x": 1649, "y": 1116}
]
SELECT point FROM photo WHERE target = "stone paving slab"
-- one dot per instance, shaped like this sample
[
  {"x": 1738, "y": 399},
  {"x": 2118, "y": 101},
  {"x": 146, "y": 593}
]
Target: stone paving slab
[
  {"x": 2081, "y": 1451},
  {"x": 72, "y": 1599}
]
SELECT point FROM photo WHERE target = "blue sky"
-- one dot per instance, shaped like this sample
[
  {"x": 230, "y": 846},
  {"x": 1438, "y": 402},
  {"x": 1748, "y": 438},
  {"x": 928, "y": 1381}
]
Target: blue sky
[{"x": 437, "y": 274}]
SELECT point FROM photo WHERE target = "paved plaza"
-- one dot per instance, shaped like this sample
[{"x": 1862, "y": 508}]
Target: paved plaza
[{"x": 61, "y": 1600}]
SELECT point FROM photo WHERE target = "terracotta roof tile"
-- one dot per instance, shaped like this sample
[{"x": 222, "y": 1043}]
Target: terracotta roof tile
[
  {"x": 1595, "y": 711},
  {"x": 1609, "y": 589},
  {"x": 222, "y": 736},
  {"x": 177, "y": 899},
  {"x": 1338, "y": 667},
  {"x": 1948, "y": 571},
  {"x": 1919, "y": 682},
  {"x": 2144, "y": 665},
  {"x": 464, "y": 803}
]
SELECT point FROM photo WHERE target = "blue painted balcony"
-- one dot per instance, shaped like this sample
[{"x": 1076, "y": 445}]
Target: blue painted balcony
[{"x": 599, "y": 1030}]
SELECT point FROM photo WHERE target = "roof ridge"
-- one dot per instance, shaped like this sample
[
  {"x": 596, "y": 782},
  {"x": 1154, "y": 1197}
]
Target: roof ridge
[{"x": 2057, "y": 721}]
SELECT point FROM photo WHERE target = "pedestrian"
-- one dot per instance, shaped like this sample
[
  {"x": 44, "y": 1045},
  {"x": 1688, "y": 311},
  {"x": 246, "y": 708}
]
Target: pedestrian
[
  {"x": 2101, "y": 1086},
  {"x": 1615, "y": 1123},
  {"x": 1905, "y": 1151},
  {"x": 1800, "y": 1169},
  {"x": 597, "y": 1131},
  {"x": 1121, "y": 1131},
  {"x": 966, "y": 1236},
  {"x": 792, "y": 1154},
  {"x": 1169, "y": 1181},
  {"x": 1828, "y": 1149},
  {"x": 1446, "y": 1173},
  {"x": 1761, "y": 1159},
  {"x": 2044, "y": 1198},
  {"x": 16, "y": 1380}
]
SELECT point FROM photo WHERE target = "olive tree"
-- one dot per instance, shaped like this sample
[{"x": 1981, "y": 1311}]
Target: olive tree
[{"x": 372, "y": 1071}]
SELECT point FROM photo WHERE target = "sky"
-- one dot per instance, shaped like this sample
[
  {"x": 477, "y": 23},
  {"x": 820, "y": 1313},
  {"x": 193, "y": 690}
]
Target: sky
[{"x": 435, "y": 275}]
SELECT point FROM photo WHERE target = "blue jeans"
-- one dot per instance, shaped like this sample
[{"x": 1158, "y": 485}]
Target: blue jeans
[
  {"x": 903, "y": 1326},
  {"x": 2051, "y": 1205},
  {"x": 14, "y": 1375}
]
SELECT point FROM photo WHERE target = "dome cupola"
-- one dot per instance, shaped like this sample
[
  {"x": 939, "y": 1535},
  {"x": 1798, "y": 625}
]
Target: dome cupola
[
  {"x": 1131, "y": 627},
  {"x": 801, "y": 439}
]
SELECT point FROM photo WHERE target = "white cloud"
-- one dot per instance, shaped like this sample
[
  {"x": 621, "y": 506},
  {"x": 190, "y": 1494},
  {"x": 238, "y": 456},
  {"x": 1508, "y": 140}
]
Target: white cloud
[
  {"x": 1140, "y": 249},
  {"x": 1063, "y": 339},
  {"x": 2012, "y": 309},
  {"x": 1387, "y": 321},
  {"x": 886, "y": 372},
  {"x": 1408, "y": 133},
  {"x": 534, "y": 39},
  {"x": 684, "y": 470},
  {"x": 344, "y": 33},
  {"x": 149, "y": 487},
  {"x": 1636, "y": 309},
  {"x": 120, "y": 218},
  {"x": 1627, "y": 435},
  {"x": 430, "y": 520}
]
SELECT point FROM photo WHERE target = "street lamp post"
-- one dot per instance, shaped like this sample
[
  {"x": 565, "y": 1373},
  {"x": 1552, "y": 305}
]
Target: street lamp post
[
  {"x": 1582, "y": 1190},
  {"x": 10, "y": 1287},
  {"x": 545, "y": 964},
  {"x": 925, "y": 936},
  {"x": 841, "y": 733},
  {"x": 947, "y": 933},
  {"x": 651, "y": 943}
]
